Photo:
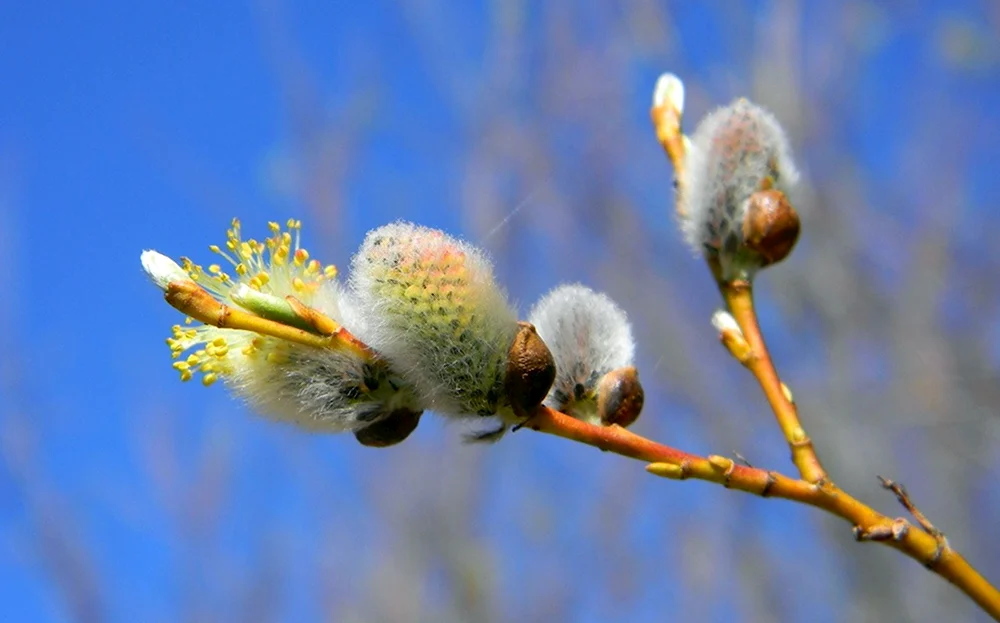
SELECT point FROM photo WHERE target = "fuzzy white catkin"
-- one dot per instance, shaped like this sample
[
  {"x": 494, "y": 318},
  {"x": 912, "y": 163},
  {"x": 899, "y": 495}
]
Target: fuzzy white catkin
[
  {"x": 429, "y": 304},
  {"x": 329, "y": 390},
  {"x": 589, "y": 336},
  {"x": 732, "y": 152},
  {"x": 319, "y": 389}
]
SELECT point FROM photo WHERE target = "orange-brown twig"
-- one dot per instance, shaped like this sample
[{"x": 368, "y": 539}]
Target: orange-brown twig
[
  {"x": 868, "y": 524},
  {"x": 739, "y": 298},
  {"x": 193, "y": 300}
]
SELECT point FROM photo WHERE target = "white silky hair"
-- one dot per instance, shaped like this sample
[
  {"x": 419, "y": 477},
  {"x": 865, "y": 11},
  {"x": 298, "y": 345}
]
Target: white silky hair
[
  {"x": 322, "y": 389},
  {"x": 430, "y": 305},
  {"x": 733, "y": 150},
  {"x": 588, "y": 335}
]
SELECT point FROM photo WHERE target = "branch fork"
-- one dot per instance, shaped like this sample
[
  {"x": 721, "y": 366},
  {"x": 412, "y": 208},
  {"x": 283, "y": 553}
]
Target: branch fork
[{"x": 739, "y": 332}]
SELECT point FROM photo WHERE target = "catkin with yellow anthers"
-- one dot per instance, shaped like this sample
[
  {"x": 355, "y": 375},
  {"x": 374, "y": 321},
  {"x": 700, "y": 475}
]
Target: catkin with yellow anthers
[{"x": 320, "y": 389}]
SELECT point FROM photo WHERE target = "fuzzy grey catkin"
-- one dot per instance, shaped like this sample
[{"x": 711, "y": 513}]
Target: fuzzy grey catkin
[
  {"x": 734, "y": 152},
  {"x": 589, "y": 336},
  {"x": 329, "y": 390},
  {"x": 323, "y": 390}
]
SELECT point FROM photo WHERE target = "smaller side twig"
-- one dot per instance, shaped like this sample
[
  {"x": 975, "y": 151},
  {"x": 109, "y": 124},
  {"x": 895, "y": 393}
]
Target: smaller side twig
[{"x": 904, "y": 498}]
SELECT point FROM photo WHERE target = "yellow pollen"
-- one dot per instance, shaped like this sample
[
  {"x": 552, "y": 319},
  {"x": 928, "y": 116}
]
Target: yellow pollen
[{"x": 202, "y": 351}]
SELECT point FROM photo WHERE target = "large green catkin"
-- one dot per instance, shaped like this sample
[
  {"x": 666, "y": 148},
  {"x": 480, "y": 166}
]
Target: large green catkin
[{"x": 429, "y": 304}]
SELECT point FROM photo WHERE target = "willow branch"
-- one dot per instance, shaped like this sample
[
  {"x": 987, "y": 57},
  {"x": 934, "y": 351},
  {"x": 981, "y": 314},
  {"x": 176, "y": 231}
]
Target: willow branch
[
  {"x": 929, "y": 547},
  {"x": 869, "y": 525},
  {"x": 666, "y": 114}
]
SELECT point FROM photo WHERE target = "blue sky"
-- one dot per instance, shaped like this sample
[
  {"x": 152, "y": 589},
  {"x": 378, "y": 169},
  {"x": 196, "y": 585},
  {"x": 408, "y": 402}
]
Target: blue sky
[{"x": 127, "y": 126}]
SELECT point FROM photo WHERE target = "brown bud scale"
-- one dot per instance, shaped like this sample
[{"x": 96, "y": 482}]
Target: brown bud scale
[
  {"x": 531, "y": 370},
  {"x": 390, "y": 430},
  {"x": 770, "y": 226},
  {"x": 620, "y": 397}
]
